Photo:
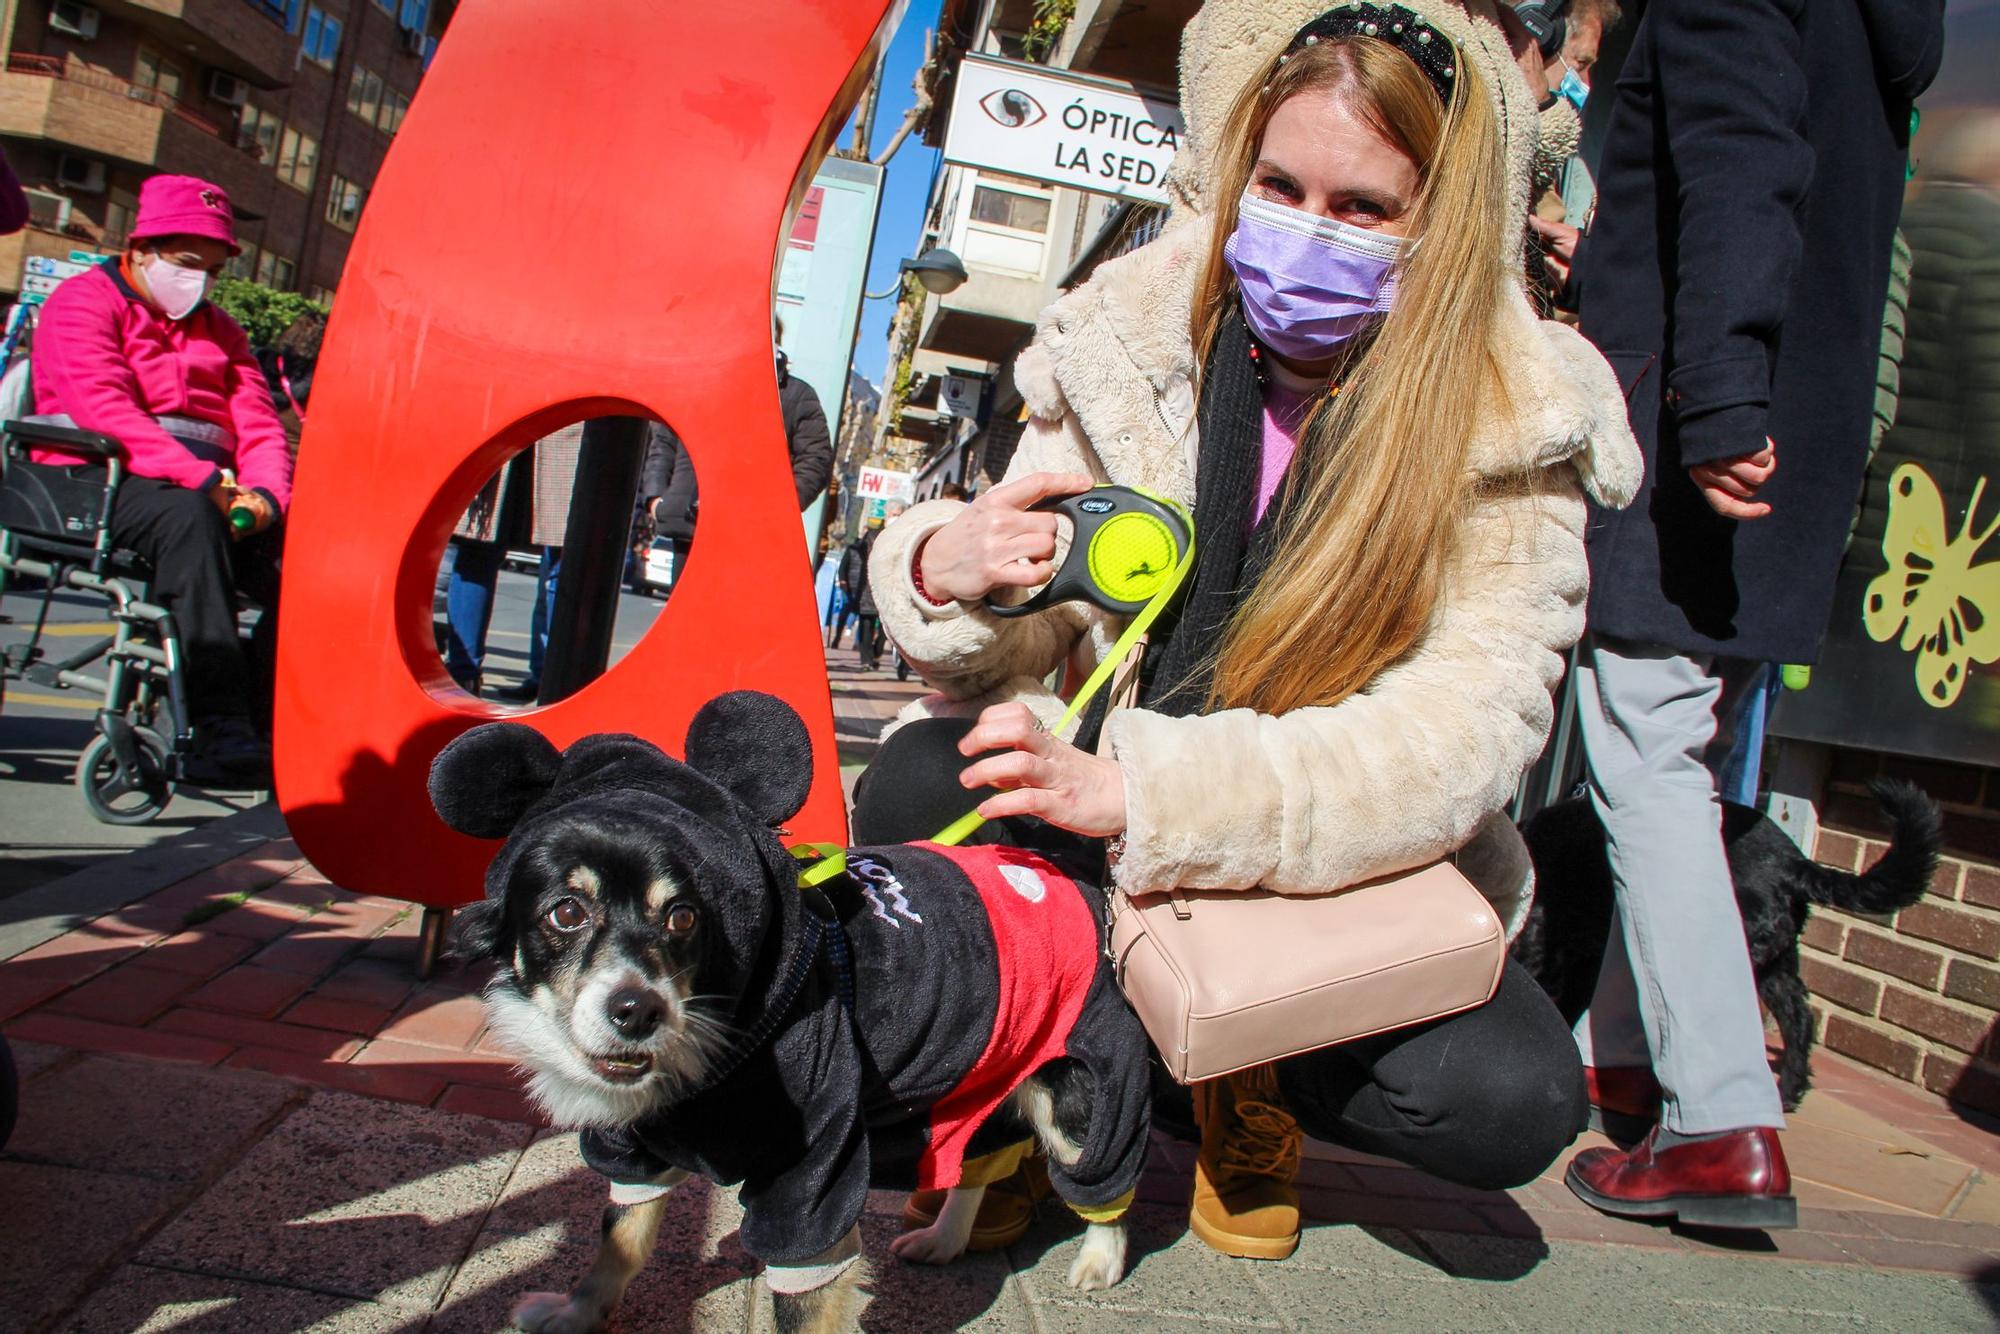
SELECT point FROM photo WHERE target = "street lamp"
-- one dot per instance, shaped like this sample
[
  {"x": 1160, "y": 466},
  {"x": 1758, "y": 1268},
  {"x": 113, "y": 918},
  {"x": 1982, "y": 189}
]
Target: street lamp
[{"x": 938, "y": 269}]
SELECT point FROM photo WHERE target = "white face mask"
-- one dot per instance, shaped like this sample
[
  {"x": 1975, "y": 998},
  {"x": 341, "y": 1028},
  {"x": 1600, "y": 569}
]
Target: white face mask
[{"x": 176, "y": 290}]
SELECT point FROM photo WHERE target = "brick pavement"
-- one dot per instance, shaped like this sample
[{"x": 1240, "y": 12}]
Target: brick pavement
[{"x": 256, "y": 1008}]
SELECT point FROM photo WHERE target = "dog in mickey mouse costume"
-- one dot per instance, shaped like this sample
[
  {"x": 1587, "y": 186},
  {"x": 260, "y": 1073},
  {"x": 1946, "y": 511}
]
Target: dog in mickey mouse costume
[{"x": 680, "y": 999}]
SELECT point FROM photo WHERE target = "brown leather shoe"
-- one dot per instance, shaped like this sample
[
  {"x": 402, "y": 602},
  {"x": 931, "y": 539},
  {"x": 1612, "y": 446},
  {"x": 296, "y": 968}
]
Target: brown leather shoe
[
  {"x": 1244, "y": 1201},
  {"x": 1737, "y": 1180},
  {"x": 1624, "y": 1101}
]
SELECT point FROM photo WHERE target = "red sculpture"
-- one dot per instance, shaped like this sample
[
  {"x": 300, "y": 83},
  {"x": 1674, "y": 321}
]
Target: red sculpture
[{"x": 578, "y": 220}]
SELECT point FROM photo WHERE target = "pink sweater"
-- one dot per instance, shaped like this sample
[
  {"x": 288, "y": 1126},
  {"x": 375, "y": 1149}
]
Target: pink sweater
[{"x": 114, "y": 363}]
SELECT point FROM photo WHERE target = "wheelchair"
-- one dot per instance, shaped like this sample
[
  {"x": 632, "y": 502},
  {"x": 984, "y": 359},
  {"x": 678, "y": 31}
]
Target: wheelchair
[{"x": 55, "y": 530}]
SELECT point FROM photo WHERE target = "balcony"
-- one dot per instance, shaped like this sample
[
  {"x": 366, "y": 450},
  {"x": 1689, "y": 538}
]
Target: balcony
[
  {"x": 244, "y": 39},
  {"x": 103, "y": 116}
]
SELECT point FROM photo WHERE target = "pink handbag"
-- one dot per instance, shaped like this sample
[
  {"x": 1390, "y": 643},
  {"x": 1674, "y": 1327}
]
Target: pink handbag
[{"x": 1228, "y": 979}]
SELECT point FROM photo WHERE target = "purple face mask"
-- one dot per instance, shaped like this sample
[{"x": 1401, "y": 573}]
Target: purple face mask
[{"x": 1308, "y": 283}]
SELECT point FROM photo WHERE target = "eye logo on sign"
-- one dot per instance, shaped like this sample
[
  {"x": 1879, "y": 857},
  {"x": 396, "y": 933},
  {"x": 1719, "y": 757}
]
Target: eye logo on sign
[{"x": 1012, "y": 108}]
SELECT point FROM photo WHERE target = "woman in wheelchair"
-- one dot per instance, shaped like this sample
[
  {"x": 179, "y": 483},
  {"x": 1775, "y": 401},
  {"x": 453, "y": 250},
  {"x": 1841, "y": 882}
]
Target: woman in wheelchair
[{"x": 133, "y": 350}]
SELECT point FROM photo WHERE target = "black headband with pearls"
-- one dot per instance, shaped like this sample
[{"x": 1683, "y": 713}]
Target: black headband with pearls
[{"x": 1401, "y": 28}]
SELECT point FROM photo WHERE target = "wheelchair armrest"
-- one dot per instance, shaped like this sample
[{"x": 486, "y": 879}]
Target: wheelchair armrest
[{"x": 70, "y": 439}]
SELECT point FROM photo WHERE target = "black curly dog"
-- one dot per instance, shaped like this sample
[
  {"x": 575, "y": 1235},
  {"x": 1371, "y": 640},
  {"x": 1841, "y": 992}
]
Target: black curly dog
[{"x": 1562, "y": 943}]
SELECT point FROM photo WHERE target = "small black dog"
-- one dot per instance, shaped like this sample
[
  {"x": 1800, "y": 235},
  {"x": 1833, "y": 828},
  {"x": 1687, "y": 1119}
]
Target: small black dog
[
  {"x": 680, "y": 998},
  {"x": 1562, "y": 943}
]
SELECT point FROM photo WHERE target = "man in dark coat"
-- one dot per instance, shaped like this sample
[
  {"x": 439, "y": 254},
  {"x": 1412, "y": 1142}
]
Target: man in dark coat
[
  {"x": 668, "y": 478},
  {"x": 1734, "y": 277}
]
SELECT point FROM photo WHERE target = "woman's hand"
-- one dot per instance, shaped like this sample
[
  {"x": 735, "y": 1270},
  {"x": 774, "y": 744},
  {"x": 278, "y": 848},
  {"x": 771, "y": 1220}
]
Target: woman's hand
[
  {"x": 997, "y": 541},
  {"x": 1042, "y": 775}
]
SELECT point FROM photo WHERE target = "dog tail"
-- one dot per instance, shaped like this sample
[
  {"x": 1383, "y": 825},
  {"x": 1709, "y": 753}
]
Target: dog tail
[{"x": 1904, "y": 871}]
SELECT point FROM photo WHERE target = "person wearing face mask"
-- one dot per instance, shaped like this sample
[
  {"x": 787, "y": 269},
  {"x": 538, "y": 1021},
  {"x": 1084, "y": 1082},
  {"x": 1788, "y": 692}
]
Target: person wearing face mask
[
  {"x": 134, "y": 349},
  {"x": 1328, "y": 354}
]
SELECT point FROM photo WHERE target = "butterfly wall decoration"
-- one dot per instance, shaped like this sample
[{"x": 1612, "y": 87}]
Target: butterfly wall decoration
[{"x": 1946, "y": 608}]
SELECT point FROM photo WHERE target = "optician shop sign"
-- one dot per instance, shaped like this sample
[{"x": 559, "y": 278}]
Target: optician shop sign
[{"x": 1066, "y": 129}]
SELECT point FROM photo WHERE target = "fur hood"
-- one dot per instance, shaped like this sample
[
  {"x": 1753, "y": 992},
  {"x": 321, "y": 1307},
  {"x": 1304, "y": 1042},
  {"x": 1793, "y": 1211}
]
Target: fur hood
[{"x": 1116, "y": 352}]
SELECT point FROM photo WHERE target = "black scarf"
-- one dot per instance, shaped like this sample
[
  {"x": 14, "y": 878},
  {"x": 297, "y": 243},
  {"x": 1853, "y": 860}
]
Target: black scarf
[{"x": 1180, "y": 655}]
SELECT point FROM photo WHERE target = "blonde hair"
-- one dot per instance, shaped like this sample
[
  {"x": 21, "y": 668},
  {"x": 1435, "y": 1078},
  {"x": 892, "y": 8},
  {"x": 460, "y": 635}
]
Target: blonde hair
[{"x": 1381, "y": 484}]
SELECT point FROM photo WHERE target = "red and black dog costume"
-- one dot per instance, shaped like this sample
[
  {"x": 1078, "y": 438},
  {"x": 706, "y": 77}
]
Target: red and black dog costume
[{"x": 881, "y": 1019}]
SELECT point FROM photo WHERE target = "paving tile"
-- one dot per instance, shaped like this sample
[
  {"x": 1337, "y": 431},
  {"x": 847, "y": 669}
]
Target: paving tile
[
  {"x": 380, "y": 1081},
  {"x": 500, "y": 1104},
  {"x": 975, "y": 1292},
  {"x": 89, "y": 1035},
  {"x": 62, "y": 1227},
  {"x": 551, "y": 1186},
  {"x": 305, "y": 952},
  {"x": 1886, "y": 1165},
  {"x": 157, "y": 1119},
  {"x": 140, "y": 1299},
  {"x": 257, "y": 992},
  {"x": 199, "y": 953},
  {"x": 459, "y": 1067},
  {"x": 1378, "y": 1300},
  {"x": 367, "y": 981},
  {"x": 339, "y": 1016},
  {"x": 31, "y": 1058},
  {"x": 252, "y": 919},
  {"x": 242, "y": 1031},
  {"x": 350, "y": 1196},
  {"x": 131, "y": 993},
  {"x": 1924, "y": 1256},
  {"x": 671, "y": 1293},
  {"x": 1170, "y": 1272},
  {"x": 1388, "y": 1211},
  {"x": 434, "y": 1019}
]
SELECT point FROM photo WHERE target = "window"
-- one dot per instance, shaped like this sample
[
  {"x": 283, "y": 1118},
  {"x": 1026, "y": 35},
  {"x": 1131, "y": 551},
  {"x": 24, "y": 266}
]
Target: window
[
  {"x": 386, "y": 6},
  {"x": 364, "y": 94},
  {"x": 320, "y": 295},
  {"x": 274, "y": 270},
  {"x": 322, "y": 40},
  {"x": 298, "y": 159},
  {"x": 394, "y": 107},
  {"x": 259, "y": 129},
  {"x": 155, "y": 73},
  {"x": 1004, "y": 208},
  {"x": 415, "y": 14},
  {"x": 243, "y": 264},
  {"x": 343, "y": 203},
  {"x": 118, "y": 211}
]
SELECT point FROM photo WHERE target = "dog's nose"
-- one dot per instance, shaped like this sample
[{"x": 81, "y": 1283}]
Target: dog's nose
[{"x": 634, "y": 1012}]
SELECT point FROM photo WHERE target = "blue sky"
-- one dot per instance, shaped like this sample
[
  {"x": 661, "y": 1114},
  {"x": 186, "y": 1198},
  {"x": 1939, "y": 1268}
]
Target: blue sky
[{"x": 904, "y": 194}]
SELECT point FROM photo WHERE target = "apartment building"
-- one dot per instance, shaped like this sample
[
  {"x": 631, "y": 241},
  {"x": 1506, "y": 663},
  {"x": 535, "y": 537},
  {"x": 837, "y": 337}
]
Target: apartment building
[
  {"x": 289, "y": 105},
  {"x": 952, "y": 413}
]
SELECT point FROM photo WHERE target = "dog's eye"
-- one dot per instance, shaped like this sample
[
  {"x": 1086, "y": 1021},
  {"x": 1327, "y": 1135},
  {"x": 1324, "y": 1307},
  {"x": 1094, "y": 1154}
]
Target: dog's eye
[
  {"x": 569, "y": 915},
  {"x": 680, "y": 919}
]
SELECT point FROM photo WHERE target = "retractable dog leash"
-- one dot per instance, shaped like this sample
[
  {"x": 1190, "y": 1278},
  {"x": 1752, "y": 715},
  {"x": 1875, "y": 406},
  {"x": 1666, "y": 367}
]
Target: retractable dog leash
[{"x": 1129, "y": 553}]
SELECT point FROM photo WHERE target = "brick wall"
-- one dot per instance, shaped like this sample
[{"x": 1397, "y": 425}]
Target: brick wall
[{"x": 1916, "y": 993}]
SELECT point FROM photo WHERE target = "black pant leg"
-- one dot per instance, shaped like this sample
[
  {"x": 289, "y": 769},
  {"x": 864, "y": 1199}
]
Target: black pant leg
[
  {"x": 258, "y": 564},
  {"x": 185, "y": 538},
  {"x": 1487, "y": 1098}
]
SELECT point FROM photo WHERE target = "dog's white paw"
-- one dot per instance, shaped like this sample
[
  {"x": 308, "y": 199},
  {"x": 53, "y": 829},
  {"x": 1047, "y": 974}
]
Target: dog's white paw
[
  {"x": 933, "y": 1245},
  {"x": 1102, "y": 1260},
  {"x": 554, "y": 1313}
]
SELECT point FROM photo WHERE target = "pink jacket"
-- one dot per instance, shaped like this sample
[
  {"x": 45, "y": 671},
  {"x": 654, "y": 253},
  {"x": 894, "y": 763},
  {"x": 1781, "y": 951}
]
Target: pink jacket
[{"x": 114, "y": 363}]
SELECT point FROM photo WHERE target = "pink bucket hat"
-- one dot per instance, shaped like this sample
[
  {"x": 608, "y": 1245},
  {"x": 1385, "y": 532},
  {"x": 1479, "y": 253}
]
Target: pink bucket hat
[{"x": 185, "y": 206}]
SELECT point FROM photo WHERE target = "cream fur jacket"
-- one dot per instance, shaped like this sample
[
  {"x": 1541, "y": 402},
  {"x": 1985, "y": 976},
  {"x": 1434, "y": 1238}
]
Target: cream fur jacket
[{"x": 1418, "y": 765}]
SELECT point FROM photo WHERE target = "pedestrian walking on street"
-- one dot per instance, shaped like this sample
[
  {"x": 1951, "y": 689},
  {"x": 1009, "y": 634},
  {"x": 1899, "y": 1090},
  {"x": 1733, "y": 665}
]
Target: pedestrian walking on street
[
  {"x": 1734, "y": 277},
  {"x": 861, "y": 596}
]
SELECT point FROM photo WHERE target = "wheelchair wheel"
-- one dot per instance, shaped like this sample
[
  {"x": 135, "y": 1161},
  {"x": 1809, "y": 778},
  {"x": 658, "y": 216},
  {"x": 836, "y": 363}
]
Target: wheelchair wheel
[{"x": 117, "y": 797}]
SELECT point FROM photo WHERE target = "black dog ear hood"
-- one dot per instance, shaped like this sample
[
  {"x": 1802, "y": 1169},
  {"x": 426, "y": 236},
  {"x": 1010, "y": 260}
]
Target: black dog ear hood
[
  {"x": 484, "y": 782},
  {"x": 750, "y": 744}
]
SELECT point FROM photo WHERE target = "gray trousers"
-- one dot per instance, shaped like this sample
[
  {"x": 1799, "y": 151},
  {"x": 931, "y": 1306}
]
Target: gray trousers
[{"x": 1676, "y": 991}]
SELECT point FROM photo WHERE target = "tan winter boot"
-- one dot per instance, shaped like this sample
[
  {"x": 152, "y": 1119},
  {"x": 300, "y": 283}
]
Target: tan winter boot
[{"x": 1244, "y": 1201}]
